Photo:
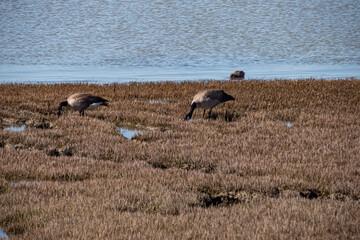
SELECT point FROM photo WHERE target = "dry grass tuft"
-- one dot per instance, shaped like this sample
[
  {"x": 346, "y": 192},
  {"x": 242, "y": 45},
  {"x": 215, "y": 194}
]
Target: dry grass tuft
[{"x": 279, "y": 162}]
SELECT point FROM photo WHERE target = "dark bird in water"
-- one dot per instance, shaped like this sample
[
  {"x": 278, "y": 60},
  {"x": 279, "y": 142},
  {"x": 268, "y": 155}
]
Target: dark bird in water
[
  {"x": 237, "y": 75},
  {"x": 208, "y": 99},
  {"x": 81, "y": 102}
]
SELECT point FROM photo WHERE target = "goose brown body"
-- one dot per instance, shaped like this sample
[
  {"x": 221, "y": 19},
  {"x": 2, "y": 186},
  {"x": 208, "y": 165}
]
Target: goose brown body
[
  {"x": 208, "y": 99},
  {"x": 82, "y": 101}
]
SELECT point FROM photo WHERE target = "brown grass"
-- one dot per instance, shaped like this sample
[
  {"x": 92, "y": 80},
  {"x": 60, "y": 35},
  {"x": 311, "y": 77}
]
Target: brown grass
[{"x": 241, "y": 175}]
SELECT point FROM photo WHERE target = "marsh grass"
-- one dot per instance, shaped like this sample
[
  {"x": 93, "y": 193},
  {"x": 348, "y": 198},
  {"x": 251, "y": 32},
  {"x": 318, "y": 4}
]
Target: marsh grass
[{"x": 243, "y": 173}]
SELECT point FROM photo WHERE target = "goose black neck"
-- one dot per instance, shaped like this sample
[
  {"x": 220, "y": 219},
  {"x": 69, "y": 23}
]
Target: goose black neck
[
  {"x": 62, "y": 104},
  {"x": 189, "y": 115},
  {"x": 226, "y": 97}
]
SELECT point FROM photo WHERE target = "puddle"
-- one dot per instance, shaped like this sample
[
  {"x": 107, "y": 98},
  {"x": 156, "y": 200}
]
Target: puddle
[
  {"x": 288, "y": 124},
  {"x": 3, "y": 234},
  {"x": 164, "y": 100},
  {"x": 24, "y": 183},
  {"x": 155, "y": 101},
  {"x": 128, "y": 133},
  {"x": 15, "y": 128}
]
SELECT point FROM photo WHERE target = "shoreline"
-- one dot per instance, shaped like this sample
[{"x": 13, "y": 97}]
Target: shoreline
[{"x": 112, "y": 74}]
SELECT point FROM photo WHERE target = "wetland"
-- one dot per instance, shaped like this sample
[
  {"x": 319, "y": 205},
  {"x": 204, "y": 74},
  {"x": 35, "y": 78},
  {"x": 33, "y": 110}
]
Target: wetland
[{"x": 284, "y": 165}]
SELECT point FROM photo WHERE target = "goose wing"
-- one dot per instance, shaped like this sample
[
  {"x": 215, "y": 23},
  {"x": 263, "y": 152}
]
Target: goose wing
[
  {"x": 86, "y": 98},
  {"x": 209, "y": 94},
  {"x": 81, "y": 101}
]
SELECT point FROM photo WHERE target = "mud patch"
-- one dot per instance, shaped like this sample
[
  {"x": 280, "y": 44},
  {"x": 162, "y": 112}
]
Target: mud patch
[
  {"x": 41, "y": 124},
  {"x": 13, "y": 124},
  {"x": 158, "y": 164},
  {"x": 216, "y": 196},
  {"x": 289, "y": 194},
  {"x": 342, "y": 197},
  {"x": 227, "y": 116},
  {"x": 70, "y": 177},
  {"x": 66, "y": 151},
  {"x": 15, "y": 222},
  {"x": 226, "y": 198},
  {"x": 310, "y": 194},
  {"x": 4, "y": 186},
  {"x": 52, "y": 152},
  {"x": 164, "y": 162}
]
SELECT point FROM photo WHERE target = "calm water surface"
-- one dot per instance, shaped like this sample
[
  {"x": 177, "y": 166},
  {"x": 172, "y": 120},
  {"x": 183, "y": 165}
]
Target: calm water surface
[
  {"x": 3, "y": 235},
  {"x": 15, "y": 128},
  {"x": 146, "y": 40},
  {"x": 128, "y": 133}
]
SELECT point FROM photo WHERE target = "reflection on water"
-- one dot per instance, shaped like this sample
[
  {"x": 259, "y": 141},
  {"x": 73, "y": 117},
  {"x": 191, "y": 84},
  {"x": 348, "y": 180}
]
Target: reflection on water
[
  {"x": 3, "y": 234},
  {"x": 128, "y": 133},
  {"x": 15, "y": 128},
  {"x": 176, "y": 40}
]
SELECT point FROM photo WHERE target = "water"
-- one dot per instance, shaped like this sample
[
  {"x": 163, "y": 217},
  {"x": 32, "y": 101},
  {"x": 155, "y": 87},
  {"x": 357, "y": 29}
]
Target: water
[
  {"x": 128, "y": 133},
  {"x": 3, "y": 234},
  {"x": 15, "y": 128},
  {"x": 26, "y": 183},
  {"x": 153, "y": 101},
  {"x": 287, "y": 124},
  {"x": 145, "y": 40},
  {"x": 159, "y": 101}
]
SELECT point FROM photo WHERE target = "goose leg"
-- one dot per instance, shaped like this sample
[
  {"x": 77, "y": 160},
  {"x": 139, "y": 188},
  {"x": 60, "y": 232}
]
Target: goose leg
[
  {"x": 204, "y": 114},
  {"x": 210, "y": 112}
]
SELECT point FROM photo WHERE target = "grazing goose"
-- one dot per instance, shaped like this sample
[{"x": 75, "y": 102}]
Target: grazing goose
[
  {"x": 81, "y": 102},
  {"x": 208, "y": 99}
]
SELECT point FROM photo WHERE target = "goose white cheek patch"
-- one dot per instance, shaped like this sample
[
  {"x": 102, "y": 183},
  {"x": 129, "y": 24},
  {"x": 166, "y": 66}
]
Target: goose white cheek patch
[{"x": 94, "y": 105}]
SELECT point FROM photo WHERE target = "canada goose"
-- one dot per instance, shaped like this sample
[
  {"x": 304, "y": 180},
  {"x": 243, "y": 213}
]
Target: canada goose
[
  {"x": 208, "y": 99},
  {"x": 81, "y": 102}
]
